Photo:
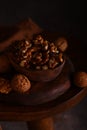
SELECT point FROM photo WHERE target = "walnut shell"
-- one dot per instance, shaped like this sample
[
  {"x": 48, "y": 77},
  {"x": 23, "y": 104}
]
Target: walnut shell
[
  {"x": 61, "y": 44},
  {"x": 80, "y": 79},
  {"x": 20, "y": 83},
  {"x": 5, "y": 87}
]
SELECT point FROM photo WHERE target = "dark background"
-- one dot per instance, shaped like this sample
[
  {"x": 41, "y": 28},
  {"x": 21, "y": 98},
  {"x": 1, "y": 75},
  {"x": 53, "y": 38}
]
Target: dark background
[
  {"x": 56, "y": 15},
  {"x": 68, "y": 16}
]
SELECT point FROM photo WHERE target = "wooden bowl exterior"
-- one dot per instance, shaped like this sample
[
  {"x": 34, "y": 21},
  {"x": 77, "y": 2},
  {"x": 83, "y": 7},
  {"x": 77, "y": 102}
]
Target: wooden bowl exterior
[{"x": 37, "y": 75}]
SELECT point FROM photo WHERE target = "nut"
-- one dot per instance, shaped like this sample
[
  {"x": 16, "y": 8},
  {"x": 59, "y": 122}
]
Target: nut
[
  {"x": 45, "y": 58},
  {"x": 44, "y": 67},
  {"x": 39, "y": 37},
  {"x": 61, "y": 44},
  {"x": 38, "y": 40},
  {"x": 38, "y": 67},
  {"x": 5, "y": 87},
  {"x": 52, "y": 63},
  {"x": 22, "y": 63},
  {"x": 80, "y": 79},
  {"x": 20, "y": 83},
  {"x": 53, "y": 48},
  {"x": 60, "y": 57},
  {"x": 45, "y": 45},
  {"x": 37, "y": 58}
]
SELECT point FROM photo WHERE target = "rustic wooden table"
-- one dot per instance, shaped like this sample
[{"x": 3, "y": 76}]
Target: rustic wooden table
[{"x": 39, "y": 117}]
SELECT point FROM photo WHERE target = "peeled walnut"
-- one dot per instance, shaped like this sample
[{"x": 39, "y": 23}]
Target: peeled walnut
[
  {"x": 61, "y": 44},
  {"x": 44, "y": 67},
  {"x": 53, "y": 48},
  {"x": 5, "y": 87},
  {"x": 38, "y": 40},
  {"x": 20, "y": 83},
  {"x": 52, "y": 63},
  {"x": 80, "y": 79},
  {"x": 37, "y": 58},
  {"x": 4, "y": 64},
  {"x": 45, "y": 45},
  {"x": 60, "y": 57}
]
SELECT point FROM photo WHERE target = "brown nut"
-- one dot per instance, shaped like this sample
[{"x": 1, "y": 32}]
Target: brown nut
[
  {"x": 19, "y": 49},
  {"x": 61, "y": 44},
  {"x": 80, "y": 79},
  {"x": 44, "y": 67},
  {"x": 53, "y": 48},
  {"x": 20, "y": 83},
  {"x": 5, "y": 87},
  {"x": 38, "y": 67},
  {"x": 52, "y": 63},
  {"x": 23, "y": 63},
  {"x": 38, "y": 40},
  {"x": 60, "y": 57},
  {"x": 45, "y": 45},
  {"x": 45, "y": 58}
]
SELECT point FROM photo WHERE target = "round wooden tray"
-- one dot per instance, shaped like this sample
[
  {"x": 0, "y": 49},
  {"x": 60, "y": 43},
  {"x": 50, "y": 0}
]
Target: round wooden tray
[{"x": 42, "y": 92}]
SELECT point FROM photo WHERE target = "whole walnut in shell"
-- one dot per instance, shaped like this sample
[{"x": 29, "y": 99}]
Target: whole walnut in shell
[
  {"x": 20, "y": 83},
  {"x": 5, "y": 86},
  {"x": 61, "y": 44},
  {"x": 80, "y": 79}
]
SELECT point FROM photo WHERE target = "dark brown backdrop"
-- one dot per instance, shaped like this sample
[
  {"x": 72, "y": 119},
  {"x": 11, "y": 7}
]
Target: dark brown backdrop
[{"x": 57, "y": 15}]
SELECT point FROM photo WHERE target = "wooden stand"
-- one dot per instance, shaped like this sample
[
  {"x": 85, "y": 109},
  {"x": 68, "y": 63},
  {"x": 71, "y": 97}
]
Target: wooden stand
[{"x": 43, "y": 124}]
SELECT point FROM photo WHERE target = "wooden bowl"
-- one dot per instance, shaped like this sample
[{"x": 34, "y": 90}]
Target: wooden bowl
[{"x": 37, "y": 75}]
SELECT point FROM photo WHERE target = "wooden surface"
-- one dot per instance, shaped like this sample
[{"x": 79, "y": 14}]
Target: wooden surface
[{"x": 77, "y": 53}]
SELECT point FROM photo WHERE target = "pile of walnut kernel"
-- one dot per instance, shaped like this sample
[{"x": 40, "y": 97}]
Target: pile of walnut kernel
[{"x": 38, "y": 53}]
